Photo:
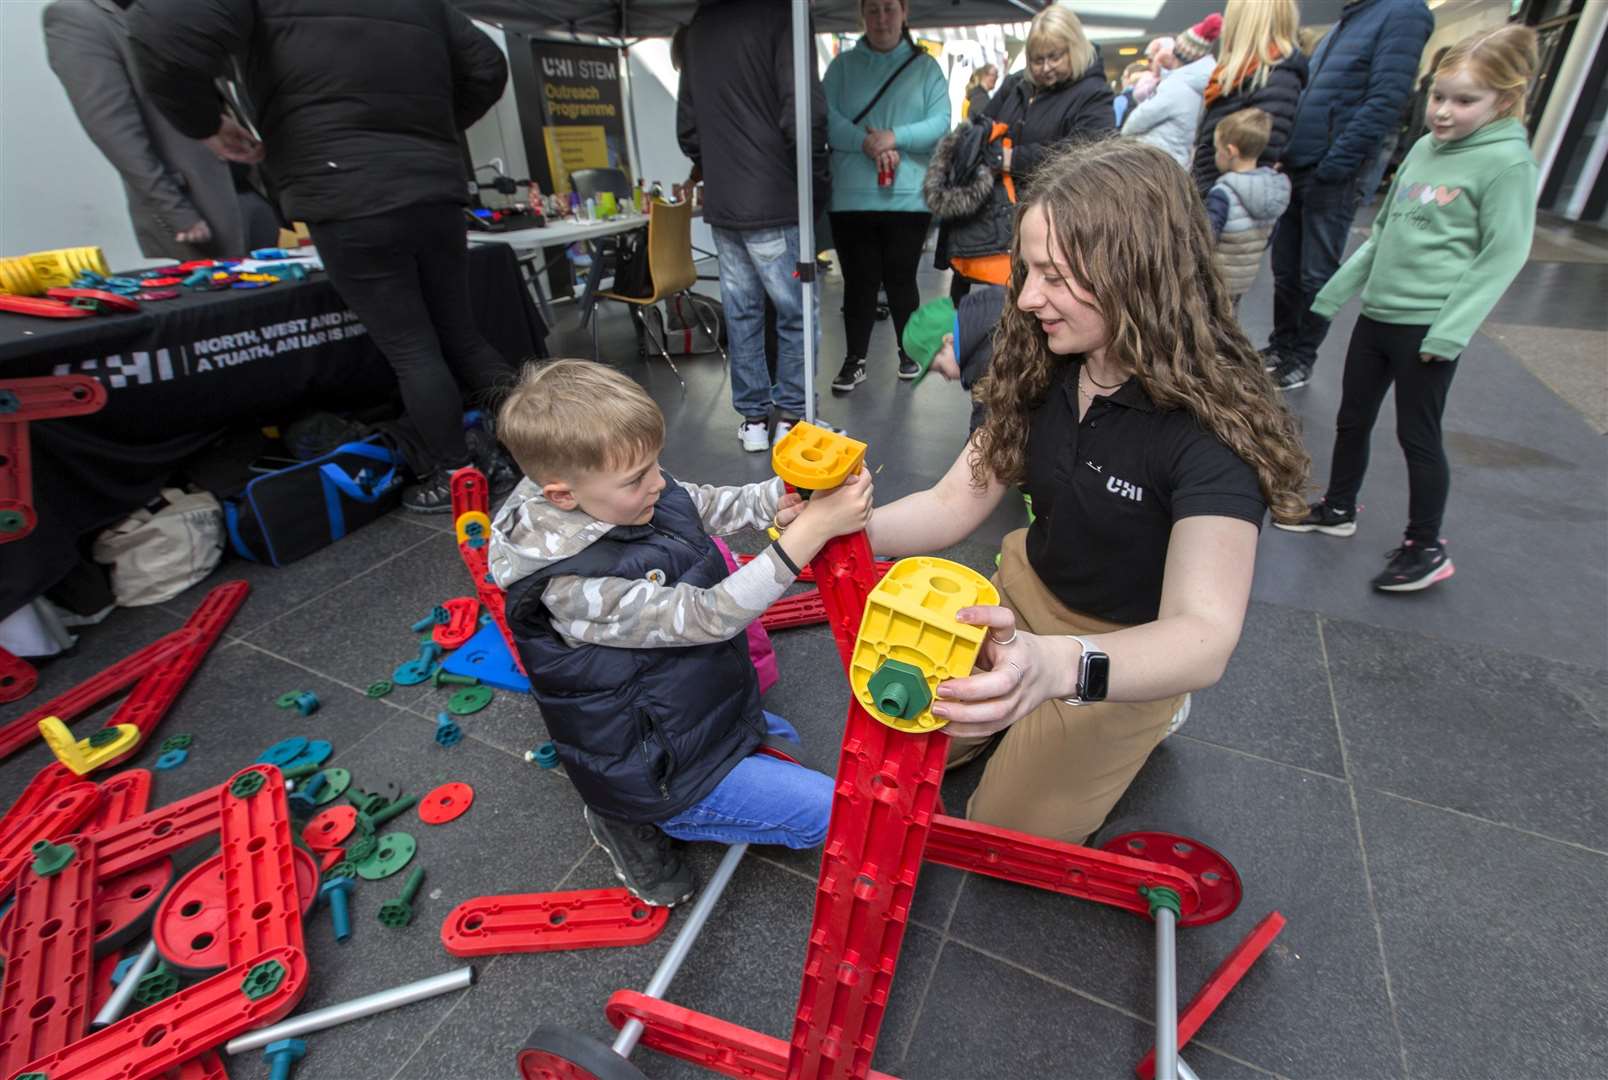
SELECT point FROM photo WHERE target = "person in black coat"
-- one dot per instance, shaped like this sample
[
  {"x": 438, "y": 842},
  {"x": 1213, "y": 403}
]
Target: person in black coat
[
  {"x": 359, "y": 104},
  {"x": 1061, "y": 97},
  {"x": 1260, "y": 66}
]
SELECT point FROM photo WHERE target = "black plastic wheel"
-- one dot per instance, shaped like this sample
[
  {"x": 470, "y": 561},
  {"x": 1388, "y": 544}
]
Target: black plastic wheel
[
  {"x": 553, "y": 1053},
  {"x": 1146, "y": 837}
]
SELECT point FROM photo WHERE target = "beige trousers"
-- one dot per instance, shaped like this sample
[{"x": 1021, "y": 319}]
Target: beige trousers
[{"x": 1060, "y": 769}]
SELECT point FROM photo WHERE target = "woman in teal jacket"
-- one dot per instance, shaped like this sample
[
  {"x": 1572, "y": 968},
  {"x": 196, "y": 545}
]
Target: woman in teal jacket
[{"x": 887, "y": 107}]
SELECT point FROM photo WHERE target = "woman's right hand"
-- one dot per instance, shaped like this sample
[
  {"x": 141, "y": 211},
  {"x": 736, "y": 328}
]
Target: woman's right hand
[{"x": 943, "y": 361}]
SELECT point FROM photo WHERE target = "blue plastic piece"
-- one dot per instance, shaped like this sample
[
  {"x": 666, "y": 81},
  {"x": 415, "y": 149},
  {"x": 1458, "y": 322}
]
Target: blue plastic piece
[
  {"x": 429, "y": 652},
  {"x": 413, "y": 673},
  {"x": 334, "y": 893},
  {"x": 172, "y": 759},
  {"x": 316, "y": 751},
  {"x": 424, "y": 624},
  {"x": 305, "y": 797},
  {"x": 122, "y": 967},
  {"x": 284, "y": 751},
  {"x": 485, "y": 656},
  {"x": 307, "y": 703},
  {"x": 447, "y": 732}
]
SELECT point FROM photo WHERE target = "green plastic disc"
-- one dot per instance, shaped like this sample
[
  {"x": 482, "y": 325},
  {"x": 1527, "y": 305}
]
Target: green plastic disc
[
  {"x": 287, "y": 700},
  {"x": 336, "y": 781},
  {"x": 263, "y": 979},
  {"x": 394, "y": 852},
  {"x": 471, "y": 699},
  {"x": 178, "y": 742},
  {"x": 246, "y": 785},
  {"x": 379, "y": 689}
]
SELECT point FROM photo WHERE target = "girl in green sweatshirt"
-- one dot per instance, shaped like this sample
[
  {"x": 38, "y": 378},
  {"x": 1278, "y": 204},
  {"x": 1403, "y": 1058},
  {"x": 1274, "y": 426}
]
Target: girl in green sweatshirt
[{"x": 1454, "y": 231}]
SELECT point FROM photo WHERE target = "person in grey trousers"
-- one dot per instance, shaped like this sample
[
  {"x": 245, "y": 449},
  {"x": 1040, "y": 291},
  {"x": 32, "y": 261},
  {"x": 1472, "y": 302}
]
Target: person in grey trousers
[{"x": 182, "y": 197}]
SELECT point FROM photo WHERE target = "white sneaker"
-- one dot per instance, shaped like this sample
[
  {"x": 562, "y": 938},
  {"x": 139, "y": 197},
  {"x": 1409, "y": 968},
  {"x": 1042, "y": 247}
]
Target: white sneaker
[
  {"x": 752, "y": 434},
  {"x": 782, "y": 428},
  {"x": 1180, "y": 716}
]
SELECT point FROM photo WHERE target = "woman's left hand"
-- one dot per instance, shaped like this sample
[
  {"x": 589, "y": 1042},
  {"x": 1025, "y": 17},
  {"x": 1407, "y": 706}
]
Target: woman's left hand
[
  {"x": 876, "y": 141},
  {"x": 1016, "y": 677},
  {"x": 790, "y": 506}
]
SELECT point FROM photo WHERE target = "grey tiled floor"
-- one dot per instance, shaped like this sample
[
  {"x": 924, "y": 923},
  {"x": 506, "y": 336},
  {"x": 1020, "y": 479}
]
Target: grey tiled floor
[{"x": 1416, "y": 782}]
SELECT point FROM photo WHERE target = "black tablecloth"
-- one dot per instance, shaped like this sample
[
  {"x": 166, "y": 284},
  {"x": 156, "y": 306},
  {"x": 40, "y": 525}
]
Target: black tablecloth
[{"x": 179, "y": 371}]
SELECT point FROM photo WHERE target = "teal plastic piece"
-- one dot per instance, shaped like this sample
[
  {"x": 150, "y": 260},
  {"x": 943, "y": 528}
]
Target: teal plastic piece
[
  {"x": 447, "y": 733},
  {"x": 172, "y": 759},
  {"x": 284, "y": 751}
]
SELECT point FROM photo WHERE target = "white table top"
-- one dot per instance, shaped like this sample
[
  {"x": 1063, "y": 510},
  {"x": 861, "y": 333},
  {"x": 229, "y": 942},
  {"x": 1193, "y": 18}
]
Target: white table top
[{"x": 559, "y": 233}]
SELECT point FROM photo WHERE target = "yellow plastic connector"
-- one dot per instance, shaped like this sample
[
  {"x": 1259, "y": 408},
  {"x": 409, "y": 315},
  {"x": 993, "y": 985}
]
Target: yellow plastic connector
[
  {"x": 476, "y": 517},
  {"x": 814, "y": 459},
  {"x": 909, "y": 641},
  {"x": 86, "y": 755}
]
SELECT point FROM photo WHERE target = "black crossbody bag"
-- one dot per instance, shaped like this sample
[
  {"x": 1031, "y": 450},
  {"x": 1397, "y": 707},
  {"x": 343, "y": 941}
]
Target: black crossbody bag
[{"x": 883, "y": 89}]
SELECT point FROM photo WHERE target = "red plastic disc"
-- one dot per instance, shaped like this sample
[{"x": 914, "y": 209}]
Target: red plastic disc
[
  {"x": 191, "y": 928},
  {"x": 1215, "y": 877},
  {"x": 330, "y": 828},
  {"x": 445, "y": 803}
]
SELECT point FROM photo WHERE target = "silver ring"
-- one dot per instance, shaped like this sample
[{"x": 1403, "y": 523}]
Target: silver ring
[{"x": 1007, "y": 641}]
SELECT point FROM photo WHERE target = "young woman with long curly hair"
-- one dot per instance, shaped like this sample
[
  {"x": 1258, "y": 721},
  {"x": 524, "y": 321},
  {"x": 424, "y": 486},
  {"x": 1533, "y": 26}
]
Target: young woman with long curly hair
[{"x": 1125, "y": 399}]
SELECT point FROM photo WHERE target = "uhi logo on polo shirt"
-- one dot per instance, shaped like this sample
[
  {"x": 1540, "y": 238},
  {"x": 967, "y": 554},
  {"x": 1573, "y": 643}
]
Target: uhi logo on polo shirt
[{"x": 1125, "y": 489}]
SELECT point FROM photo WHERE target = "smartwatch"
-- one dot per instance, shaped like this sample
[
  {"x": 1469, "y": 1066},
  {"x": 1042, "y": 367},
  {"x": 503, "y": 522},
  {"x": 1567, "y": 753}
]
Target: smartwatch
[{"x": 1094, "y": 675}]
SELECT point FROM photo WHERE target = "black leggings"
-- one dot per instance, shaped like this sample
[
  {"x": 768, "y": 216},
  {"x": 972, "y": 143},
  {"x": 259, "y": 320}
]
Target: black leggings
[
  {"x": 1380, "y": 354},
  {"x": 406, "y": 275},
  {"x": 877, "y": 249}
]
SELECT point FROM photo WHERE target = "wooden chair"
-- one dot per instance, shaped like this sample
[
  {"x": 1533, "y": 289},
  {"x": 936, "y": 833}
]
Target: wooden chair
[{"x": 671, "y": 268}]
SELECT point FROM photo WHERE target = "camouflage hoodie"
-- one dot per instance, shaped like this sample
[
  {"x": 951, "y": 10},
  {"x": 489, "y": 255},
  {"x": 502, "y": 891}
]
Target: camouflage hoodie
[{"x": 530, "y": 533}]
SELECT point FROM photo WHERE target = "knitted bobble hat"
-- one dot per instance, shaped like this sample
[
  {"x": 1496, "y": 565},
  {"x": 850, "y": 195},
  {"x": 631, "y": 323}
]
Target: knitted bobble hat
[{"x": 1198, "y": 40}]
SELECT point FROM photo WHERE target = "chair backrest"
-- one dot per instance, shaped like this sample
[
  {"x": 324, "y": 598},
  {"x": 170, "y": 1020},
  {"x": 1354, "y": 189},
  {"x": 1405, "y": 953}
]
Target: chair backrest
[
  {"x": 670, "y": 248},
  {"x": 589, "y": 183}
]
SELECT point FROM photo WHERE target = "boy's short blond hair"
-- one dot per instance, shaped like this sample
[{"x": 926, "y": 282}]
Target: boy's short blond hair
[
  {"x": 1247, "y": 131},
  {"x": 570, "y": 416}
]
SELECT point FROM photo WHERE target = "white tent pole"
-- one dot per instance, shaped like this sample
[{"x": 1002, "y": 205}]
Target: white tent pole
[{"x": 803, "y": 56}]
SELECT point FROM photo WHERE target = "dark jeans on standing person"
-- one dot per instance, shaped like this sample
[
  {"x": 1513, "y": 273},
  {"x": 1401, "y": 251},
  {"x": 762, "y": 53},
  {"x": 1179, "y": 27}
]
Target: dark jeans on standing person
[
  {"x": 405, "y": 274},
  {"x": 877, "y": 249},
  {"x": 1381, "y": 354},
  {"x": 1308, "y": 245}
]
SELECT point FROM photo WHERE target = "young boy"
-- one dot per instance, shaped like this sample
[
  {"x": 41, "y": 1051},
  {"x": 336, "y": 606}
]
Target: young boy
[
  {"x": 1247, "y": 200},
  {"x": 956, "y": 341},
  {"x": 634, "y": 634}
]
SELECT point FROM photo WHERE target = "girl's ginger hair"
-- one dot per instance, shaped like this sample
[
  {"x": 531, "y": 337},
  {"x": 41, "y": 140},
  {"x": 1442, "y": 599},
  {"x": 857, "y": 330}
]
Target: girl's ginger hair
[
  {"x": 1260, "y": 30},
  {"x": 1503, "y": 59},
  {"x": 1134, "y": 235}
]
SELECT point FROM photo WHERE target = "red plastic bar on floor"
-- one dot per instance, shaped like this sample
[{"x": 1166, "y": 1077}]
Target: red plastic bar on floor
[
  {"x": 541, "y": 922},
  {"x": 48, "y": 397},
  {"x": 61, "y": 816}
]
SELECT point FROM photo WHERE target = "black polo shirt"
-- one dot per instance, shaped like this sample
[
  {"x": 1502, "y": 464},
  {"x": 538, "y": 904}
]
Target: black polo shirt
[{"x": 1107, "y": 491}]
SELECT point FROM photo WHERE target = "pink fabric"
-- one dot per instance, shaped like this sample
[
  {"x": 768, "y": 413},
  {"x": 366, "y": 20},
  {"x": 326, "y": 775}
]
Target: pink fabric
[{"x": 759, "y": 643}]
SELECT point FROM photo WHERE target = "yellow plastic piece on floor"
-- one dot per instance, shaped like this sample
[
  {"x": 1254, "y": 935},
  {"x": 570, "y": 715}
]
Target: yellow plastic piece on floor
[
  {"x": 815, "y": 459},
  {"x": 476, "y": 516},
  {"x": 77, "y": 754},
  {"x": 909, "y": 641}
]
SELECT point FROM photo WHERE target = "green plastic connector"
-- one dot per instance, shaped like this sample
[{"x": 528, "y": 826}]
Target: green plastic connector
[
  {"x": 247, "y": 784},
  {"x": 287, "y": 700},
  {"x": 378, "y": 689},
  {"x": 104, "y": 737},
  {"x": 367, "y": 802},
  {"x": 159, "y": 983},
  {"x": 1162, "y": 897},
  {"x": 32, "y": 1076},
  {"x": 899, "y": 690},
  {"x": 177, "y": 742},
  {"x": 296, "y": 772},
  {"x": 344, "y": 868},
  {"x": 263, "y": 979},
  {"x": 11, "y": 521},
  {"x": 442, "y": 677},
  {"x": 361, "y": 848},
  {"x": 399, "y": 912},
  {"x": 51, "y": 859},
  {"x": 401, "y": 806}
]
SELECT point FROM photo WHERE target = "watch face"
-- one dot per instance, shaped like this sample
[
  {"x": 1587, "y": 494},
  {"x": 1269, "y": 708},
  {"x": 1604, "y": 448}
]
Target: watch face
[{"x": 1096, "y": 675}]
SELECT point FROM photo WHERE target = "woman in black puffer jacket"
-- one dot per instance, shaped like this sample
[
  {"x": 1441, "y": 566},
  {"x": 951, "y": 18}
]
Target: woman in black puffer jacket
[
  {"x": 1259, "y": 67},
  {"x": 1061, "y": 97}
]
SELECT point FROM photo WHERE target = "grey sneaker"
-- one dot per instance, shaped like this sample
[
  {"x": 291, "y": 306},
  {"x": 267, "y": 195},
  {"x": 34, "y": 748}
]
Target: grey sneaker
[
  {"x": 1292, "y": 375},
  {"x": 1323, "y": 518},
  {"x": 850, "y": 375},
  {"x": 643, "y": 859}
]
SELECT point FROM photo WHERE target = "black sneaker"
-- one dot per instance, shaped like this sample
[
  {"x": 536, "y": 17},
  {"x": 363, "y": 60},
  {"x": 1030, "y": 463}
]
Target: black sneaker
[
  {"x": 644, "y": 860},
  {"x": 850, "y": 375},
  {"x": 1415, "y": 566},
  {"x": 431, "y": 495},
  {"x": 1323, "y": 518},
  {"x": 908, "y": 368},
  {"x": 1292, "y": 375},
  {"x": 1271, "y": 360},
  {"x": 493, "y": 462}
]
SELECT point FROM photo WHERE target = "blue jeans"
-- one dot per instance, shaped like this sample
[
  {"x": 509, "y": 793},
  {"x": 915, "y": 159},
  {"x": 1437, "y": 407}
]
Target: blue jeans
[
  {"x": 754, "y": 264},
  {"x": 1308, "y": 245},
  {"x": 764, "y": 800}
]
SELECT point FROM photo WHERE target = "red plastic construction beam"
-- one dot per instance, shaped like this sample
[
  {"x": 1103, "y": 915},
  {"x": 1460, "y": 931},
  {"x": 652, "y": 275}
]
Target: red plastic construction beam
[
  {"x": 259, "y": 868},
  {"x": 17, "y": 677},
  {"x": 800, "y": 609},
  {"x": 61, "y": 816},
  {"x": 21, "y": 402},
  {"x": 49, "y": 947},
  {"x": 541, "y": 922},
  {"x": 807, "y": 575}
]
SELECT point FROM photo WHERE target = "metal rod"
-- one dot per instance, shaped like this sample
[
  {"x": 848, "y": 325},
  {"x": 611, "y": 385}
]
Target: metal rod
[
  {"x": 356, "y": 1009},
  {"x": 1185, "y": 1072},
  {"x": 631, "y": 1031},
  {"x": 125, "y": 990},
  {"x": 1166, "y": 994},
  {"x": 803, "y": 147}
]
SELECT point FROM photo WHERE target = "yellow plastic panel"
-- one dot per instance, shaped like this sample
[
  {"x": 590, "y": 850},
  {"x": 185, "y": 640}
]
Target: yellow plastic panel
[
  {"x": 910, "y": 618},
  {"x": 815, "y": 459},
  {"x": 77, "y": 754}
]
